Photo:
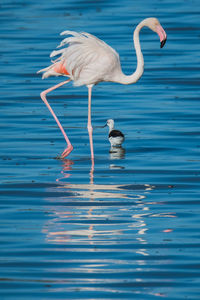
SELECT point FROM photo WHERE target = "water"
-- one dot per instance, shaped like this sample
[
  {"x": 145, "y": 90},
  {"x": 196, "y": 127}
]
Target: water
[{"x": 129, "y": 229}]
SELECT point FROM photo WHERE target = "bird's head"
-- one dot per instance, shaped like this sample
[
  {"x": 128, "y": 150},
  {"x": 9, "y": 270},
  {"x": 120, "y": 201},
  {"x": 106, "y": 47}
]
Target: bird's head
[
  {"x": 155, "y": 26},
  {"x": 110, "y": 123}
]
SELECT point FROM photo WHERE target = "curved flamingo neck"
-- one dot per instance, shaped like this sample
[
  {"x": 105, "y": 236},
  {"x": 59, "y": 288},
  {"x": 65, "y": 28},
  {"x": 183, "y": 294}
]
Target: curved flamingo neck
[{"x": 128, "y": 79}]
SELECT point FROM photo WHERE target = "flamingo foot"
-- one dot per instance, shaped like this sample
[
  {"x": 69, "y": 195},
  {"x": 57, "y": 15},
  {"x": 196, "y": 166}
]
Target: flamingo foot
[{"x": 67, "y": 151}]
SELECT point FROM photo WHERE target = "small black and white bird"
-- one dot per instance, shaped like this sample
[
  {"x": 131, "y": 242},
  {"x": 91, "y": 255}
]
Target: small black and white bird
[{"x": 115, "y": 137}]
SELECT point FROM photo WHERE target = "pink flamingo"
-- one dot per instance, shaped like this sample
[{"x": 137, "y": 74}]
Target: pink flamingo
[{"x": 87, "y": 61}]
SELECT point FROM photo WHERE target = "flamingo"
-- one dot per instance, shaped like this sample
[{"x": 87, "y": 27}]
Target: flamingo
[{"x": 88, "y": 60}]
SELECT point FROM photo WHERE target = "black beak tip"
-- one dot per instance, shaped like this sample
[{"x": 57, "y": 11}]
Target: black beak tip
[{"x": 163, "y": 43}]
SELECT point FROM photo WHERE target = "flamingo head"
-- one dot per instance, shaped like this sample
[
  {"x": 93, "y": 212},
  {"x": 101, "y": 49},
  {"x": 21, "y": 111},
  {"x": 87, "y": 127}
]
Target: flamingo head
[{"x": 155, "y": 26}]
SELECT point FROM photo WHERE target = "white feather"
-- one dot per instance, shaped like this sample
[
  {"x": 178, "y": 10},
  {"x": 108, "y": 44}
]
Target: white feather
[
  {"x": 86, "y": 58},
  {"x": 56, "y": 52}
]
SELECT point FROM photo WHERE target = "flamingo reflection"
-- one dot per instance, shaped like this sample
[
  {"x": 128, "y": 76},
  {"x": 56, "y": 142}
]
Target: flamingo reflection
[
  {"x": 96, "y": 204},
  {"x": 92, "y": 208}
]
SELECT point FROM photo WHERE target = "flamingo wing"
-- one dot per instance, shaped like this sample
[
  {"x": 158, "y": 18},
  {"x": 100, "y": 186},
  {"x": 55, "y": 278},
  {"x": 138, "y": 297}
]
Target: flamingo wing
[{"x": 87, "y": 59}]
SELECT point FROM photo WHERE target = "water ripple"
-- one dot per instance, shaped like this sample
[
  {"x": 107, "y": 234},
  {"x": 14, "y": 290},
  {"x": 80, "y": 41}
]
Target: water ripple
[{"x": 129, "y": 227}]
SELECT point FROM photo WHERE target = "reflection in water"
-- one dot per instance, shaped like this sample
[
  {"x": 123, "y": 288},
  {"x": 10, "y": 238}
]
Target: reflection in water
[
  {"x": 89, "y": 221},
  {"x": 117, "y": 153},
  {"x": 66, "y": 168},
  {"x": 93, "y": 208},
  {"x": 104, "y": 213},
  {"x": 84, "y": 221},
  {"x": 102, "y": 220}
]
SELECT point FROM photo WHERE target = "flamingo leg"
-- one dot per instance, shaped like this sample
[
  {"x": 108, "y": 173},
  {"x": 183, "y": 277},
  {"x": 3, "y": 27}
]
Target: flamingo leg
[
  {"x": 43, "y": 96},
  {"x": 89, "y": 125}
]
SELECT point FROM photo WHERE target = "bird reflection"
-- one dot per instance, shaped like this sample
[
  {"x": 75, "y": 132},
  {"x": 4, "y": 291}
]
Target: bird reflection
[
  {"x": 91, "y": 217},
  {"x": 60, "y": 230},
  {"x": 117, "y": 153},
  {"x": 89, "y": 209},
  {"x": 63, "y": 227},
  {"x": 67, "y": 166}
]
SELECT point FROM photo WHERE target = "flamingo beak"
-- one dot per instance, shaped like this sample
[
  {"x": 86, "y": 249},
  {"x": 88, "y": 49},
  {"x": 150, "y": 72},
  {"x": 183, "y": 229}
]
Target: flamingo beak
[{"x": 162, "y": 35}]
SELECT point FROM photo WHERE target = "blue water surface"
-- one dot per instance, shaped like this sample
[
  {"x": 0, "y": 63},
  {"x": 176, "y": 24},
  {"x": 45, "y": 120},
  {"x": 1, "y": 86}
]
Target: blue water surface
[{"x": 129, "y": 228}]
